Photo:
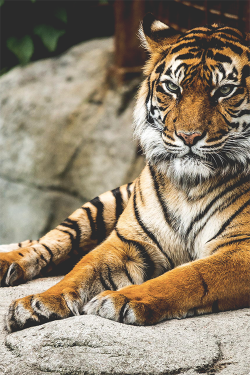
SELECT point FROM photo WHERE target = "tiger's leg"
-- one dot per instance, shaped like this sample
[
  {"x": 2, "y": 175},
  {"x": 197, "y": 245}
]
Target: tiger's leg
[
  {"x": 219, "y": 282},
  {"x": 16, "y": 246},
  {"x": 112, "y": 265},
  {"x": 75, "y": 237}
]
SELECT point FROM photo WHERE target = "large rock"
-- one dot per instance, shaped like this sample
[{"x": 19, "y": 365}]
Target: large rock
[
  {"x": 88, "y": 345},
  {"x": 65, "y": 137}
]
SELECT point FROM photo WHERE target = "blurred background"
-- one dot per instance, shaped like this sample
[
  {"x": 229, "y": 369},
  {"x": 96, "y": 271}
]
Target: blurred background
[
  {"x": 37, "y": 29},
  {"x": 69, "y": 73}
]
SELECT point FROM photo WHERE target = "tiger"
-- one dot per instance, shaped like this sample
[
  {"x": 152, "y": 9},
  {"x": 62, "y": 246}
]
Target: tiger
[{"x": 175, "y": 242}]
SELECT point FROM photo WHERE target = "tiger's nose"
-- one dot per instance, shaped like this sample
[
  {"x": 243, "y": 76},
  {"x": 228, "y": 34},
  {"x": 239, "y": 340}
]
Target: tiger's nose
[{"x": 189, "y": 138}]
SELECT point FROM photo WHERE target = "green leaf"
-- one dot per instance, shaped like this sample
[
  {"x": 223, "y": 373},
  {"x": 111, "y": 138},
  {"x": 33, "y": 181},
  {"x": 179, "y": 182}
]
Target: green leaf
[
  {"x": 23, "y": 48},
  {"x": 61, "y": 14},
  {"x": 1, "y": 2},
  {"x": 49, "y": 35}
]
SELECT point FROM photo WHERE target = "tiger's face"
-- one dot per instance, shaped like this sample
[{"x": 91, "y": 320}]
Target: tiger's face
[{"x": 193, "y": 110}]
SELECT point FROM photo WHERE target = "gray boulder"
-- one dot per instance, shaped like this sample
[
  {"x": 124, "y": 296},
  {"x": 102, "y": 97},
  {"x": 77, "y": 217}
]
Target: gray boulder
[
  {"x": 88, "y": 345},
  {"x": 65, "y": 137}
]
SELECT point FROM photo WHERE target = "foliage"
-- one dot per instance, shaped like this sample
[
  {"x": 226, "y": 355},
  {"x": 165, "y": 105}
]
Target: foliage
[{"x": 35, "y": 29}]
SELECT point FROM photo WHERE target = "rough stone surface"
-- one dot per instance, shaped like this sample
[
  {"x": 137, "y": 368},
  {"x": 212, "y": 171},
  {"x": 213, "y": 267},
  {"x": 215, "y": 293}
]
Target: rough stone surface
[
  {"x": 88, "y": 345},
  {"x": 65, "y": 137}
]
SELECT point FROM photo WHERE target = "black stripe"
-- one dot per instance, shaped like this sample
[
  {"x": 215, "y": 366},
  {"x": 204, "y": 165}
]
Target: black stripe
[
  {"x": 91, "y": 223},
  {"x": 160, "y": 89},
  {"x": 215, "y": 307},
  {"x": 157, "y": 190},
  {"x": 185, "y": 56},
  {"x": 245, "y": 73},
  {"x": 103, "y": 282},
  {"x": 148, "y": 263},
  {"x": 111, "y": 281},
  {"x": 128, "y": 275},
  {"x": 192, "y": 73},
  {"x": 213, "y": 201},
  {"x": 148, "y": 94},
  {"x": 165, "y": 116},
  {"x": 160, "y": 68},
  {"x": 242, "y": 113},
  {"x": 49, "y": 251},
  {"x": 42, "y": 257},
  {"x": 72, "y": 239},
  {"x": 184, "y": 44},
  {"x": 222, "y": 58},
  {"x": 148, "y": 232},
  {"x": 100, "y": 224},
  {"x": 197, "y": 31},
  {"x": 232, "y": 111},
  {"x": 226, "y": 120},
  {"x": 160, "y": 101},
  {"x": 128, "y": 189},
  {"x": 227, "y": 222},
  {"x": 140, "y": 190},
  {"x": 151, "y": 94},
  {"x": 239, "y": 102},
  {"x": 215, "y": 145},
  {"x": 19, "y": 244},
  {"x": 218, "y": 44},
  {"x": 168, "y": 143},
  {"x": 72, "y": 224},
  {"x": 228, "y": 38},
  {"x": 230, "y": 32},
  {"x": 121, "y": 313},
  {"x": 162, "y": 109},
  {"x": 179, "y": 67},
  {"x": 231, "y": 242},
  {"x": 238, "y": 91},
  {"x": 204, "y": 285},
  {"x": 119, "y": 202},
  {"x": 230, "y": 201}
]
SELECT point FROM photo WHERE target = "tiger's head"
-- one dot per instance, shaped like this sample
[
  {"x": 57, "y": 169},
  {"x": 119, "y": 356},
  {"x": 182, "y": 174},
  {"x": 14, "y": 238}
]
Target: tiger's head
[{"x": 192, "y": 116}]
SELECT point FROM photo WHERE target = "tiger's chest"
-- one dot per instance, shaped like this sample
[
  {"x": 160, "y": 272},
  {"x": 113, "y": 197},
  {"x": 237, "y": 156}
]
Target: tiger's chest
[{"x": 185, "y": 224}]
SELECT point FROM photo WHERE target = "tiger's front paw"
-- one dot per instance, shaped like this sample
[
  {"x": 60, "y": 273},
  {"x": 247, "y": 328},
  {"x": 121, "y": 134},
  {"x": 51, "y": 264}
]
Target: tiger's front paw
[
  {"x": 41, "y": 308},
  {"x": 121, "y": 308},
  {"x": 11, "y": 272}
]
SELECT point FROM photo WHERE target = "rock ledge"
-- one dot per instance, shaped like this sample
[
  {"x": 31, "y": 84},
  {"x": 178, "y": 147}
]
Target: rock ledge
[{"x": 88, "y": 345}]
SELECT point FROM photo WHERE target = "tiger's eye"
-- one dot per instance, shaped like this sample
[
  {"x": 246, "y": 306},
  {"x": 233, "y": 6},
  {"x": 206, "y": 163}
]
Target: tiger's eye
[
  {"x": 225, "y": 90},
  {"x": 172, "y": 86}
]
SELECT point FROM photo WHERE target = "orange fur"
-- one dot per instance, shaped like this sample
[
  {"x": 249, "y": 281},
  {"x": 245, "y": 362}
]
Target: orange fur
[{"x": 176, "y": 242}]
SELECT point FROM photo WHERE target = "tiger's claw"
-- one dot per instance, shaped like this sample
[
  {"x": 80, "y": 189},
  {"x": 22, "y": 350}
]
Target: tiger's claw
[
  {"x": 11, "y": 273},
  {"x": 118, "y": 307},
  {"x": 41, "y": 308}
]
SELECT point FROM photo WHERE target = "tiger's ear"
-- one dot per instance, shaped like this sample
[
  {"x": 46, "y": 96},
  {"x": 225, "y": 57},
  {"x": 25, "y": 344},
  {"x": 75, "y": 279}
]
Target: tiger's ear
[{"x": 156, "y": 35}]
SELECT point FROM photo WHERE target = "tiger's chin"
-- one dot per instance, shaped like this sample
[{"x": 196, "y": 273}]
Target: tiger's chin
[{"x": 187, "y": 171}]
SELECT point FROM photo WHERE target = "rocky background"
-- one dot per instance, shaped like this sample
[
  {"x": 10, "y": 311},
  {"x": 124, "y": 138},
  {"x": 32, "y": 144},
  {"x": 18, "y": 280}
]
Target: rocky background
[{"x": 65, "y": 137}]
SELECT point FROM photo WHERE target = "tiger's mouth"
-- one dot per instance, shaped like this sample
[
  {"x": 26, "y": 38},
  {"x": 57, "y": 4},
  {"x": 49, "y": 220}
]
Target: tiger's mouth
[
  {"x": 192, "y": 160},
  {"x": 215, "y": 161}
]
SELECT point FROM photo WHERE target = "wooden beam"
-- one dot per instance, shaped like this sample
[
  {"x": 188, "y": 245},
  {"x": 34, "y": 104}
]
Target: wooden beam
[{"x": 129, "y": 56}]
